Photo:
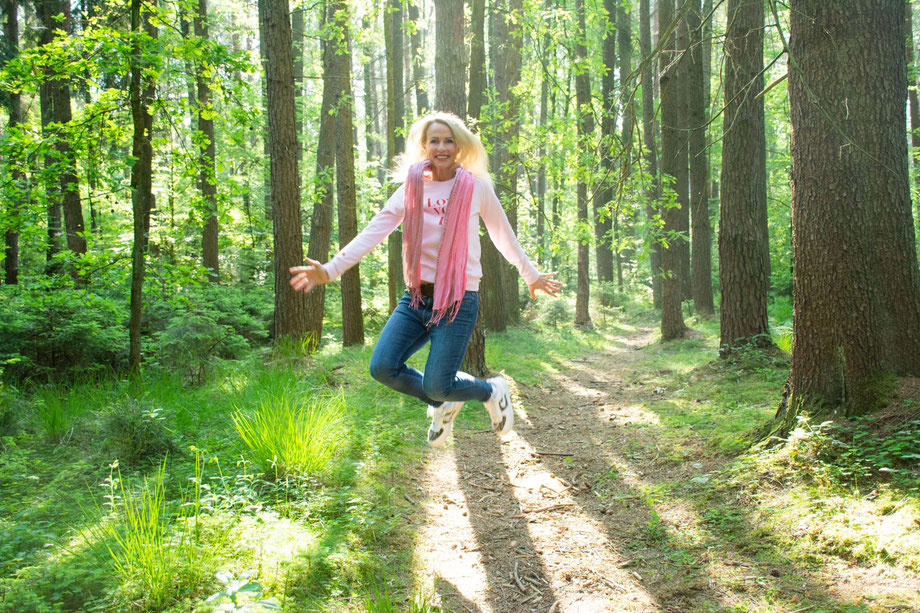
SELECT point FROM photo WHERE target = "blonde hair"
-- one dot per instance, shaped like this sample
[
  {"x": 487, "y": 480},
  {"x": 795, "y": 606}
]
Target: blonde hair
[{"x": 472, "y": 155}]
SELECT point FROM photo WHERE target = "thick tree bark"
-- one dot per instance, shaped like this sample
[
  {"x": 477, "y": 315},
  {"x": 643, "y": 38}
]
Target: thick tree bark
[
  {"x": 650, "y": 150},
  {"x": 141, "y": 92},
  {"x": 743, "y": 267},
  {"x": 450, "y": 54},
  {"x": 672, "y": 163},
  {"x": 17, "y": 177},
  {"x": 585, "y": 132},
  {"x": 393, "y": 35},
  {"x": 275, "y": 31},
  {"x": 207, "y": 153},
  {"x": 701, "y": 228},
  {"x": 352, "y": 315},
  {"x": 855, "y": 276},
  {"x": 603, "y": 198}
]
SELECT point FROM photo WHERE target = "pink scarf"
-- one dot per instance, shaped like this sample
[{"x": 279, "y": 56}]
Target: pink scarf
[{"x": 450, "y": 274}]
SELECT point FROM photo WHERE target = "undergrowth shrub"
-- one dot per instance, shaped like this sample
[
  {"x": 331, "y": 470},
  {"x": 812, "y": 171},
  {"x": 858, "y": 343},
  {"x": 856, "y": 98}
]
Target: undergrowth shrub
[
  {"x": 857, "y": 451},
  {"x": 290, "y": 434},
  {"x": 52, "y": 332},
  {"x": 136, "y": 432},
  {"x": 191, "y": 342},
  {"x": 555, "y": 311},
  {"x": 867, "y": 448}
]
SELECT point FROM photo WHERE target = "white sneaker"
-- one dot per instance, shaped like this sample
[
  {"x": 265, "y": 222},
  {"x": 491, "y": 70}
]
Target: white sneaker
[
  {"x": 442, "y": 422},
  {"x": 499, "y": 405}
]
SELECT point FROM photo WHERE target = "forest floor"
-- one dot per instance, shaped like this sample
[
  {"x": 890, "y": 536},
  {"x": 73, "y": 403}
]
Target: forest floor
[
  {"x": 596, "y": 504},
  {"x": 631, "y": 483}
]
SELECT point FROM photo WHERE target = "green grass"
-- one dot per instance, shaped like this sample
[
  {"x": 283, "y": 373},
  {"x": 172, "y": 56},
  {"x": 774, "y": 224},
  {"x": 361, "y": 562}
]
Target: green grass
[
  {"x": 286, "y": 434},
  {"x": 152, "y": 551}
]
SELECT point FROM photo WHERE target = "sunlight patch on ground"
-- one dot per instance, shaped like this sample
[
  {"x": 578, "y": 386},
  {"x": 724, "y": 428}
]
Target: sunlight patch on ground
[
  {"x": 458, "y": 563},
  {"x": 571, "y": 543},
  {"x": 628, "y": 414},
  {"x": 275, "y": 539}
]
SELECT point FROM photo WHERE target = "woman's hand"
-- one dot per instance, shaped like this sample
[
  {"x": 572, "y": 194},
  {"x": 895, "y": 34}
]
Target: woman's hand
[
  {"x": 307, "y": 277},
  {"x": 545, "y": 283}
]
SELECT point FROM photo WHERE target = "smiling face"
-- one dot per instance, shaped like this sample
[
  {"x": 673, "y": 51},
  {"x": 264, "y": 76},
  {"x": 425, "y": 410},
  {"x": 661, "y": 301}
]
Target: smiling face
[{"x": 441, "y": 150}]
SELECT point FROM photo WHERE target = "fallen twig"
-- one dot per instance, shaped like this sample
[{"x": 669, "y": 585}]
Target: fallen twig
[
  {"x": 561, "y": 455},
  {"x": 550, "y": 507},
  {"x": 517, "y": 579}
]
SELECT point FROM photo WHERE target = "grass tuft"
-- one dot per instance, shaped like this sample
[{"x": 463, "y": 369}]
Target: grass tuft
[
  {"x": 287, "y": 435},
  {"x": 152, "y": 552}
]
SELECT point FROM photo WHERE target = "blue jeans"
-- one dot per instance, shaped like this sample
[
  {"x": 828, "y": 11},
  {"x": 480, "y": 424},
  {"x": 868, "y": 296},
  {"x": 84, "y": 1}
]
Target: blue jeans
[{"x": 407, "y": 331}]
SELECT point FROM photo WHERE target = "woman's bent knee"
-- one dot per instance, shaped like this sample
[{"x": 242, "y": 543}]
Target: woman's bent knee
[
  {"x": 382, "y": 372},
  {"x": 437, "y": 389}
]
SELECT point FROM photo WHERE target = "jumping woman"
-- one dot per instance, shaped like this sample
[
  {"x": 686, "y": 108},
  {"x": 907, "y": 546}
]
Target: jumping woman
[{"x": 446, "y": 189}]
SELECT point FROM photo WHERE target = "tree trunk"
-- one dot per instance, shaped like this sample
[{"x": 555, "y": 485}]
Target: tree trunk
[
  {"x": 544, "y": 127},
  {"x": 450, "y": 57},
  {"x": 624, "y": 42},
  {"x": 883, "y": 138},
  {"x": 474, "y": 362},
  {"x": 393, "y": 35},
  {"x": 680, "y": 88},
  {"x": 603, "y": 198},
  {"x": 418, "y": 67},
  {"x": 701, "y": 228},
  {"x": 672, "y": 318},
  {"x": 352, "y": 315},
  {"x": 506, "y": 44},
  {"x": 743, "y": 268},
  {"x": 52, "y": 200},
  {"x": 477, "y": 58},
  {"x": 492, "y": 305},
  {"x": 323, "y": 195},
  {"x": 55, "y": 15},
  {"x": 275, "y": 31},
  {"x": 585, "y": 132},
  {"x": 297, "y": 38},
  {"x": 142, "y": 91},
  {"x": 855, "y": 276},
  {"x": 17, "y": 177},
  {"x": 207, "y": 152},
  {"x": 652, "y": 210},
  {"x": 912, "y": 91}
]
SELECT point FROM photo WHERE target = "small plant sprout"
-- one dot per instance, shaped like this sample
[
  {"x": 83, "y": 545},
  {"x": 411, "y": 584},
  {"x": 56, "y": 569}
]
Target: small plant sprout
[{"x": 234, "y": 587}]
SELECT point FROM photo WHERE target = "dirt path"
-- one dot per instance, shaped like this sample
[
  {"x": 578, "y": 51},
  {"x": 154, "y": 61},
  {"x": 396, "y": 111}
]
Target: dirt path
[{"x": 563, "y": 516}]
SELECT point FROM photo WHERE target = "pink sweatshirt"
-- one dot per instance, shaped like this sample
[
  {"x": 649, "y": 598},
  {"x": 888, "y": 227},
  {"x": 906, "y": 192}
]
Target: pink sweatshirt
[{"x": 484, "y": 204}]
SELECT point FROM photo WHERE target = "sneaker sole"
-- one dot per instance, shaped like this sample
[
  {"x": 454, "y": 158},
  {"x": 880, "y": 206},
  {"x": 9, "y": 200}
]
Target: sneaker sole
[{"x": 436, "y": 439}]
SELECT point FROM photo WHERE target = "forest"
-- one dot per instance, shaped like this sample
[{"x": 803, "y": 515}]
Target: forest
[{"x": 720, "y": 412}]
